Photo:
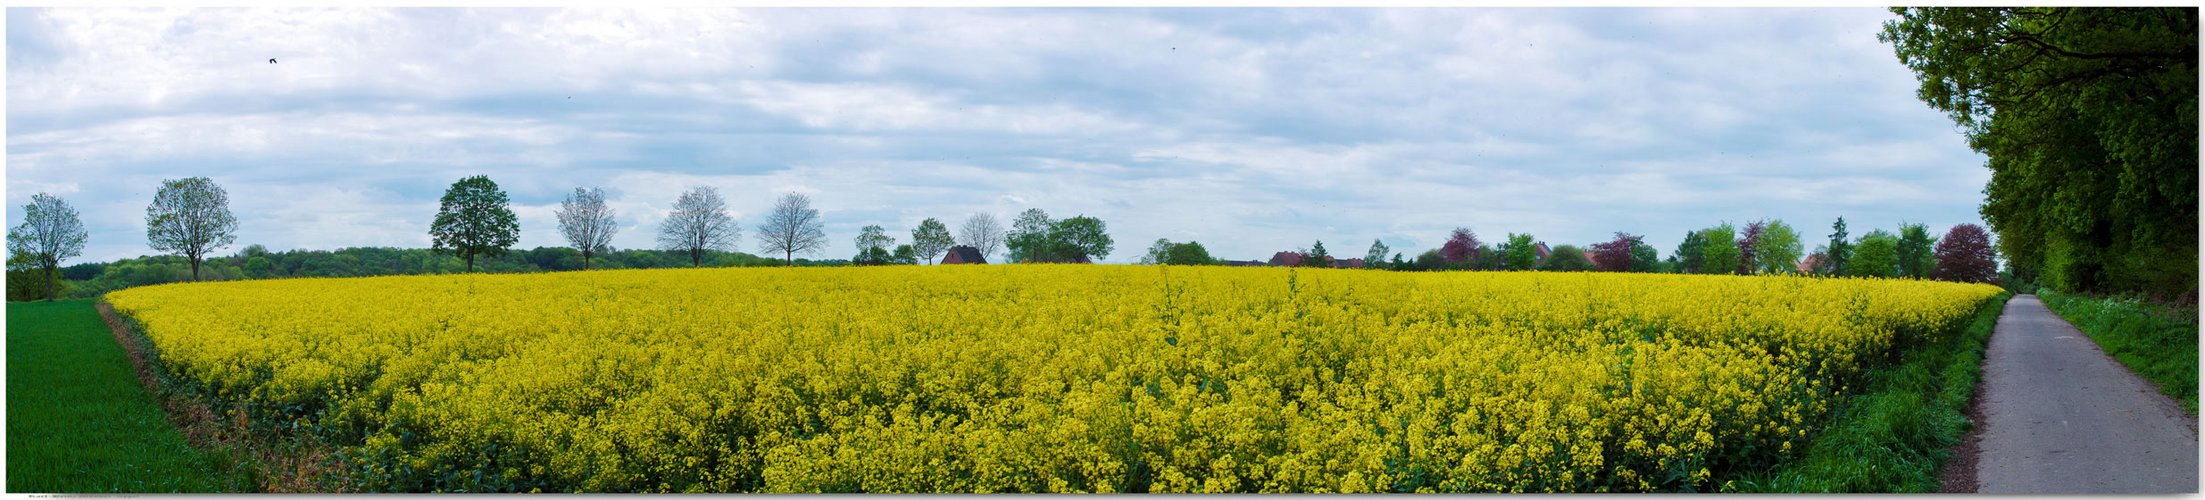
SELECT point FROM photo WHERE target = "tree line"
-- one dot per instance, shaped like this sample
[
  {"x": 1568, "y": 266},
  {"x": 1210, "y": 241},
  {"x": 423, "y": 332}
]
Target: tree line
[
  {"x": 189, "y": 219},
  {"x": 2088, "y": 118},
  {"x": 1964, "y": 253}
]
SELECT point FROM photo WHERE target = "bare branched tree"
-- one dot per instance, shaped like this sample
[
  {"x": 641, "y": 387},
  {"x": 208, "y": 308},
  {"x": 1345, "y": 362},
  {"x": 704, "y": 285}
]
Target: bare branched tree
[
  {"x": 190, "y": 217},
  {"x": 587, "y": 222},
  {"x": 699, "y": 222},
  {"x": 49, "y": 234},
  {"x": 982, "y": 232},
  {"x": 793, "y": 227}
]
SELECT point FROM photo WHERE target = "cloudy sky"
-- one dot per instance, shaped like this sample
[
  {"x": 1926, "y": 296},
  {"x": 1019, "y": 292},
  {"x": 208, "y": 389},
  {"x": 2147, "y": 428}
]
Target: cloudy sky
[{"x": 1248, "y": 130}]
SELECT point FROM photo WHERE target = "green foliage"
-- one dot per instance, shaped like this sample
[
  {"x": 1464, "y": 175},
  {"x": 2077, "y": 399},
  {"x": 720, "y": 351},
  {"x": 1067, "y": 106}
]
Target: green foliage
[
  {"x": 1519, "y": 253},
  {"x": 1034, "y": 237},
  {"x": 1915, "y": 246},
  {"x": 2088, "y": 117},
  {"x": 1431, "y": 260},
  {"x": 50, "y": 233},
  {"x": 1644, "y": 259},
  {"x": 1028, "y": 240},
  {"x": 1895, "y": 433},
  {"x": 1719, "y": 253},
  {"x": 190, "y": 217},
  {"x": 1317, "y": 256},
  {"x": 2156, "y": 342},
  {"x": 474, "y": 219},
  {"x": 1082, "y": 238},
  {"x": 873, "y": 243},
  {"x": 905, "y": 255},
  {"x": 1177, "y": 254},
  {"x": 1779, "y": 250},
  {"x": 1376, "y": 257},
  {"x": 1566, "y": 258},
  {"x": 1876, "y": 256},
  {"x": 930, "y": 239},
  {"x": 78, "y": 422},
  {"x": 1691, "y": 253},
  {"x": 28, "y": 281},
  {"x": 1838, "y": 256}
]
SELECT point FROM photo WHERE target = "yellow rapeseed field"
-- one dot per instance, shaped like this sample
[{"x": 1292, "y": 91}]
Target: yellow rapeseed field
[{"x": 1042, "y": 377}]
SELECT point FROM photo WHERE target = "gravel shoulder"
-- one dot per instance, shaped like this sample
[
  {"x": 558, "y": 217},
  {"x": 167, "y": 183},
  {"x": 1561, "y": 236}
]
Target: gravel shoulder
[{"x": 2056, "y": 415}]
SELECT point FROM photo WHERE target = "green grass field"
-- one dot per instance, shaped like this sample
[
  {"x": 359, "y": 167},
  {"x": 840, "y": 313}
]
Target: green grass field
[
  {"x": 2157, "y": 343},
  {"x": 78, "y": 422}
]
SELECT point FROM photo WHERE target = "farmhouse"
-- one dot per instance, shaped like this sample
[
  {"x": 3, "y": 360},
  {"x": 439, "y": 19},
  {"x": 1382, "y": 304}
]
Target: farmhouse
[{"x": 962, "y": 254}]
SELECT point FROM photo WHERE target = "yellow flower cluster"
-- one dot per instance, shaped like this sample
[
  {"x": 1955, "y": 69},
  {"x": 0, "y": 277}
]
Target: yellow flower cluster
[{"x": 1045, "y": 378}]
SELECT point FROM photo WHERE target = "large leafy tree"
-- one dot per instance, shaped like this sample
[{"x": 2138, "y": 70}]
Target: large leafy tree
[
  {"x": 190, "y": 217},
  {"x": 1690, "y": 256},
  {"x": 1615, "y": 255},
  {"x": 698, "y": 223},
  {"x": 1566, "y": 258},
  {"x": 1461, "y": 248},
  {"x": 1165, "y": 251},
  {"x": 792, "y": 227},
  {"x": 930, "y": 239},
  {"x": 50, "y": 233},
  {"x": 475, "y": 218},
  {"x": 1915, "y": 245},
  {"x": 1720, "y": 253},
  {"x": 1965, "y": 254},
  {"x": 1779, "y": 249},
  {"x": 1376, "y": 257},
  {"x": 1749, "y": 247},
  {"x": 1082, "y": 238},
  {"x": 1520, "y": 253},
  {"x": 1028, "y": 239},
  {"x": 587, "y": 222},
  {"x": 873, "y": 244},
  {"x": 1877, "y": 255},
  {"x": 2088, "y": 118}
]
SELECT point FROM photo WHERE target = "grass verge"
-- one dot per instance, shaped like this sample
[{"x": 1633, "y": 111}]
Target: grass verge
[
  {"x": 1896, "y": 433},
  {"x": 2156, "y": 342},
  {"x": 79, "y": 422}
]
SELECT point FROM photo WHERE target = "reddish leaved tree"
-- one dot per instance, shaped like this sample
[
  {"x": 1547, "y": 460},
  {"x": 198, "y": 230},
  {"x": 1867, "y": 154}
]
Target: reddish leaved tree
[
  {"x": 1615, "y": 255},
  {"x": 1965, "y": 255},
  {"x": 1462, "y": 246},
  {"x": 1749, "y": 240}
]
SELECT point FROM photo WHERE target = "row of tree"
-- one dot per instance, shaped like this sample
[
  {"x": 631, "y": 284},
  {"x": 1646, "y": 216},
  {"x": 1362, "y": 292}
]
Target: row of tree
[
  {"x": 190, "y": 219},
  {"x": 1964, "y": 254}
]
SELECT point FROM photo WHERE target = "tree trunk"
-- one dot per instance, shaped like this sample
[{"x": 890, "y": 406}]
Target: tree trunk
[
  {"x": 696, "y": 257},
  {"x": 788, "y": 258},
  {"x": 585, "y": 261},
  {"x": 195, "y": 269},
  {"x": 50, "y": 284},
  {"x": 470, "y": 263}
]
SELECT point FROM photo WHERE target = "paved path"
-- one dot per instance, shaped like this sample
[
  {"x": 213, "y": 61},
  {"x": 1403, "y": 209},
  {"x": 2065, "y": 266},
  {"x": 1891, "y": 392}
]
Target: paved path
[{"x": 2062, "y": 417}]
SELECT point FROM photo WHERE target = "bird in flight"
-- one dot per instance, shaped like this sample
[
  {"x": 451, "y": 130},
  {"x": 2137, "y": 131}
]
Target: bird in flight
[{"x": 271, "y": 60}]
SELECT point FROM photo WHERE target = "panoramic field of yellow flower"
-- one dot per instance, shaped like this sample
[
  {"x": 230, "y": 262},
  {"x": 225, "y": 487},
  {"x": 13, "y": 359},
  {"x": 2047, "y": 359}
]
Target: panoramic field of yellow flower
[{"x": 1042, "y": 377}]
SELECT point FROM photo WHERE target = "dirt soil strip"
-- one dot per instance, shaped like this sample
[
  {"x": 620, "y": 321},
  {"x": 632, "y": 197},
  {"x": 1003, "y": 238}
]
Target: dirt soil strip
[
  {"x": 296, "y": 469},
  {"x": 2059, "y": 416}
]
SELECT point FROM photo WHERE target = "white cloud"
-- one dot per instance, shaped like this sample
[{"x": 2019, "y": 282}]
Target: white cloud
[{"x": 1255, "y": 130}]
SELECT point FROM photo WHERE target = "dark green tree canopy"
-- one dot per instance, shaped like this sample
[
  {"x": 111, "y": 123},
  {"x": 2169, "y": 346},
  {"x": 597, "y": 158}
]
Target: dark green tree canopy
[
  {"x": 474, "y": 219},
  {"x": 2089, "y": 119}
]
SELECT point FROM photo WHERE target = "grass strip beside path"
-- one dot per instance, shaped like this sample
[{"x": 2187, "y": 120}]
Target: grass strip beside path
[
  {"x": 78, "y": 420},
  {"x": 1896, "y": 433},
  {"x": 2155, "y": 342}
]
